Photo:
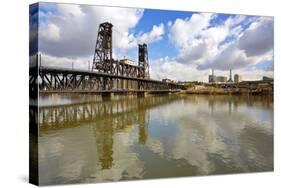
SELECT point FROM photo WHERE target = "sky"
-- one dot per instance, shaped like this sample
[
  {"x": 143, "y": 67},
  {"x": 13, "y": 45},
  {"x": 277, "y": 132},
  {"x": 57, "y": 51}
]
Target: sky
[{"x": 183, "y": 46}]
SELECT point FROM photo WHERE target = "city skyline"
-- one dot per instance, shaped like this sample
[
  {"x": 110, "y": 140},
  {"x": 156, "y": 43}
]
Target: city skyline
[{"x": 181, "y": 45}]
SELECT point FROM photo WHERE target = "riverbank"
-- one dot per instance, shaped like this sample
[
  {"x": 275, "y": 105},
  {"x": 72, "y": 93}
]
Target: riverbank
[{"x": 218, "y": 90}]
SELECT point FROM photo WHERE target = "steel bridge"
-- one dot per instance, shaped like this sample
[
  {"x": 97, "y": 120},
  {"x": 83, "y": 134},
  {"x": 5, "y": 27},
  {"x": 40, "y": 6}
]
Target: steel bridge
[
  {"x": 107, "y": 75},
  {"x": 54, "y": 80}
]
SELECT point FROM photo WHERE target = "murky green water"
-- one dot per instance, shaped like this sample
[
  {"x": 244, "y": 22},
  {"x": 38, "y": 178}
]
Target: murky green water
[{"x": 83, "y": 139}]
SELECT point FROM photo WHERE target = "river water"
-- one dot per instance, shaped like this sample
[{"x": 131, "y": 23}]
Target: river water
[{"x": 86, "y": 139}]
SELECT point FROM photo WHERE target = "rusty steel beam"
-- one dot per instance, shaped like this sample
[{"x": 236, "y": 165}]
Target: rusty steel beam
[{"x": 51, "y": 79}]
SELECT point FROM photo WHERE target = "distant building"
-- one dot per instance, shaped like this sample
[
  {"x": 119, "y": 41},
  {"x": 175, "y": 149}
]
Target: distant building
[
  {"x": 167, "y": 80},
  {"x": 266, "y": 78},
  {"x": 188, "y": 82},
  {"x": 237, "y": 78},
  {"x": 212, "y": 77},
  {"x": 128, "y": 62},
  {"x": 221, "y": 79}
]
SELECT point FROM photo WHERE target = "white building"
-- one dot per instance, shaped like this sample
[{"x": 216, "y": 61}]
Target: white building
[{"x": 237, "y": 78}]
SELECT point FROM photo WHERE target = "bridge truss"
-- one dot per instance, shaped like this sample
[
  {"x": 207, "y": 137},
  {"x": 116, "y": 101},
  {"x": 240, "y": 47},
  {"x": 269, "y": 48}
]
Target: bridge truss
[{"x": 107, "y": 74}]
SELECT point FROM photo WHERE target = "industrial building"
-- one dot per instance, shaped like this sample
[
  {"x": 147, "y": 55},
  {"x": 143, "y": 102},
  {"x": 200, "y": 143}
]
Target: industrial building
[
  {"x": 266, "y": 78},
  {"x": 237, "y": 78},
  {"x": 212, "y": 77},
  {"x": 221, "y": 79},
  {"x": 167, "y": 80}
]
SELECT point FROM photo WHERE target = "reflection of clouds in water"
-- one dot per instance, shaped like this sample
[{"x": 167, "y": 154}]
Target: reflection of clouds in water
[
  {"x": 126, "y": 162},
  {"x": 190, "y": 136},
  {"x": 58, "y": 157},
  {"x": 186, "y": 145},
  {"x": 202, "y": 131},
  {"x": 155, "y": 145},
  {"x": 57, "y": 153}
]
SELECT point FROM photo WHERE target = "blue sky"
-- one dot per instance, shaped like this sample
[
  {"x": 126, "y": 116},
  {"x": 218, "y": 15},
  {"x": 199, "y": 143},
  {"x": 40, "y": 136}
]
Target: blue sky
[
  {"x": 151, "y": 17},
  {"x": 181, "y": 45}
]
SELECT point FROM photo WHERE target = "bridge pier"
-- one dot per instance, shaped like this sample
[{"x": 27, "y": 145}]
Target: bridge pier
[
  {"x": 107, "y": 95},
  {"x": 142, "y": 94}
]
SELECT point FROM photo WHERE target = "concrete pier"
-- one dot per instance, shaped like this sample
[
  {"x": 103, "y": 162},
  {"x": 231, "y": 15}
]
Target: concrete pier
[{"x": 107, "y": 95}]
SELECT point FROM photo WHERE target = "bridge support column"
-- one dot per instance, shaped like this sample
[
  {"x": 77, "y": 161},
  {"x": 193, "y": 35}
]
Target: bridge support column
[
  {"x": 142, "y": 94},
  {"x": 107, "y": 95}
]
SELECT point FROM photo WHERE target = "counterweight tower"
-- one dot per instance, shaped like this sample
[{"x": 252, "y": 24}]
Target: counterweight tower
[
  {"x": 103, "y": 61},
  {"x": 143, "y": 62}
]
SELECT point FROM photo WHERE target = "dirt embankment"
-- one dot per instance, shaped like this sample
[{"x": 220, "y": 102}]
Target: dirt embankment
[{"x": 203, "y": 89}]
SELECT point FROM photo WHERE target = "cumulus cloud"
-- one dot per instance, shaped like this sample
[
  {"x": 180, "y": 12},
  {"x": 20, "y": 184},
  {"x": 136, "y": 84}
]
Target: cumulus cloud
[
  {"x": 194, "y": 53},
  {"x": 231, "y": 57},
  {"x": 198, "y": 40},
  {"x": 258, "y": 38},
  {"x": 183, "y": 31},
  {"x": 170, "y": 68},
  {"x": 223, "y": 46},
  {"x": 155, "y": 34},
  {"x": 69, "y": 10},
  {"x": 253, "y": 46},
  {"x": 51, "y": 32},
  {"x": 78, "y": 63}
]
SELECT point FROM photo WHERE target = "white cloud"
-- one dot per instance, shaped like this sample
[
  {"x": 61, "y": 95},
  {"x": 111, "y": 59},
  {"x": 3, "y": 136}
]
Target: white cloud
[
  {"x": 194, "y": 53},
  {"x": 253, "y": 46},
  {"x": 230, "y": 58},
  {"x": 222, "y": 46},
  {"x": 51, "y": 32},
  {"x": 65, "y": 62},
  {"x": 182, "y": 32},
  {"x": 155, "y": 34},
  {"x": 258, "y": 38},
  {"x": 170, "y": 68},
  {"x": 197, "y": 40},
  {"x": 70, "y": 10}
]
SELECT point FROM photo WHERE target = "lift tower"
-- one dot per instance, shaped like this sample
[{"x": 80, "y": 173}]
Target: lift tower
[
  {"x": 143, "y": 62},
  {"x": 103, "y": 60}
]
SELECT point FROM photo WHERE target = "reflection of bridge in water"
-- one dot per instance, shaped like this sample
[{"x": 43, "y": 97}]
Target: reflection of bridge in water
[
  {"x": 106, "y": 119},
  {"x": 69, "y": 115}
]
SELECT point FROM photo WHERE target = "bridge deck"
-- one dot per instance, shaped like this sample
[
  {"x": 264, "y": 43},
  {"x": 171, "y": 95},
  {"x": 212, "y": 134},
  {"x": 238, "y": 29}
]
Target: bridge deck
[
  {"x": 110, "y": 91},
  {"x": 58, "y": 80},
  {"x": 99, "y": 74}
]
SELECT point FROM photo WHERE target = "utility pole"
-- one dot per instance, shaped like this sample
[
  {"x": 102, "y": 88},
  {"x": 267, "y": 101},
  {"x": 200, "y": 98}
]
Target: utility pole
[
  {"x": 230, "y": 76},
  {"x": 39, "y": 60}
]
